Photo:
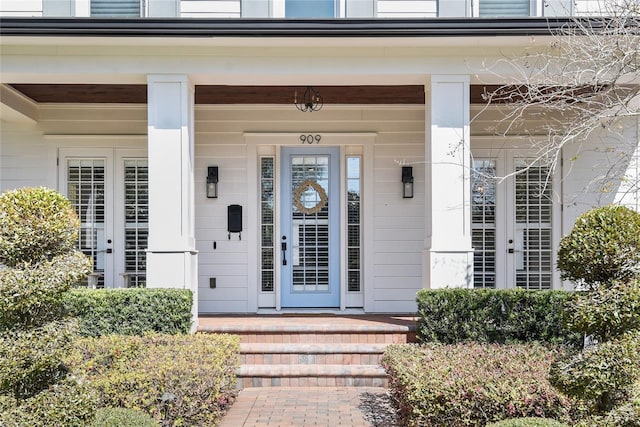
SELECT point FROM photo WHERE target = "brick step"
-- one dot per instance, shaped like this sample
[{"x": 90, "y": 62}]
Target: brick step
[
  {"x": 325, "y": 338},
  {"x": 304, "y": 351},
  {"x": 323, "y": 354},
  {"x": 311, "y": 375}
]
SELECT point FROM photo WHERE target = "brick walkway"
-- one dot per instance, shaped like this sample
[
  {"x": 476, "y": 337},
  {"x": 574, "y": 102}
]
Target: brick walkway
[{"x": 311, "y": 406}]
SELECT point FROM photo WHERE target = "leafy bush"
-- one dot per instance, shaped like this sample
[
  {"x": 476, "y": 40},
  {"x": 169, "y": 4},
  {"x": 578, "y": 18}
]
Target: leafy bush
[
  {"x": 36, "y": 224},
  {"x": 38, "y": 230},
  {"x": 130, "y": 311},
  {"x": 603, "y": 374},
  {"x": 32, "y": 359},
  {"x": 66, "y": 403},
  {"x": 197, "y": 371},
  {"x": 603, "y": 246},
  {"x": 606, "y": 312},
  {"x": 490, "y": 315},
  {"x": 32, "y": 295},
  {"x": 528, "y": 422},
  {"x": 472, "y": 384},
  {"x": 122, "y": 417}
]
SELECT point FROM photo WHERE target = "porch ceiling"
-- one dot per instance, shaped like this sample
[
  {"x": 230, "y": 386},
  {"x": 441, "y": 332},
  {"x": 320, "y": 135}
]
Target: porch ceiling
[{"x": 206, "y": 94}]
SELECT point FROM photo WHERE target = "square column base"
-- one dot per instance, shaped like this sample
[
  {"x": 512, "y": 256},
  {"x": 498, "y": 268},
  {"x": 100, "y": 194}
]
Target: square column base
[
  {"x": 448, "y": 269},
  {"x": 177, "y": 270}
]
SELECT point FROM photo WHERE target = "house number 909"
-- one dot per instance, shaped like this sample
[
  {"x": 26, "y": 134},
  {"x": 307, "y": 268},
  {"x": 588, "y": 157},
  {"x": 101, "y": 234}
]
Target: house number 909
[{"x": 310, "y": 139}]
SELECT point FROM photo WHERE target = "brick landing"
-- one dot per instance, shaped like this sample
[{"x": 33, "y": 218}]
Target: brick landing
[
  {"x": 312, "y": 350},
  {"x": 311, "y": 406}
]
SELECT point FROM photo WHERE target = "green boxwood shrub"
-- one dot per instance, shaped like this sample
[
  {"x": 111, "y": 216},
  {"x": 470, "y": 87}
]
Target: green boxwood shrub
[
  {"x": 32, "y": 295},
  {"x": 122, "y": 417},
  {"x": 603, "y": 246},
  {"x": 197, "y": 371},
  {"x": 528, "y": 422},
  {"x": 36, "y": 224},
  {"x": 38, "y": 230},
  {"x": 606, "y": 312},
  {"x": 130, "y": 311},
  {"x": 472, "y": 384},
  {"x": 67, "y": 403},
  {"x": 489, "y": 315},
  {"x": 603, "y": 374}
]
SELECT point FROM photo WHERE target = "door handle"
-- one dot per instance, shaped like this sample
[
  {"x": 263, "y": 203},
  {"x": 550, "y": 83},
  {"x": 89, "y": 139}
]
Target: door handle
[
  {"x": 510, "y": 250},
  {"x": 283, "y": 246},
  {"x": 108, "y": 250}
]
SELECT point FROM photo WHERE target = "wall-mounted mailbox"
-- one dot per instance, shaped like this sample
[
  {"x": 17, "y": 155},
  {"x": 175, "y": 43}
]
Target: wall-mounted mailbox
[{"x": 234, "y": 220}]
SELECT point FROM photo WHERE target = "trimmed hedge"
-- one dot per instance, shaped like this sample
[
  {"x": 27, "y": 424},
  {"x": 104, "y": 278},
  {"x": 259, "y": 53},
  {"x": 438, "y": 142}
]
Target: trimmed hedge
[
  {"x": 130, "y": 311},
  {"x": 528, "y": 422},
  {"x": 473, "y": 384},
  {"x": 122, "y": 417},
  {"x": 489, "y": 315},
  {"x": 189, "y": 379}
]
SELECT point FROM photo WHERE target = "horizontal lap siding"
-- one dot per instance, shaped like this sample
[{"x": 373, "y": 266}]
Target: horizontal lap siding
[
  {"x": 210, "y": 8},
  {"x": 23, "y": 157},
  {"x": 398, "y": 223},
  {"x": 407, "y": 9},
  {"x": 228, "y": 262}
]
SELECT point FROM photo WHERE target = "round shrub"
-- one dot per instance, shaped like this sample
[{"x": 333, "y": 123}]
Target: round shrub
[
  {"x": 122, "y": 417},
  {"x": 528, "y": 422},
  {"x": 604, "y": 245},
  {"x": 603, "y": 374},
  {"x": 35, "y": 224},
  {"x": 33, "y": 295},
  {"x": 606, "y": 312}
]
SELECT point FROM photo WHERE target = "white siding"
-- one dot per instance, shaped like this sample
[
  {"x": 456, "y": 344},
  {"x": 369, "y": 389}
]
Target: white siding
[
  {"x": 407, "y": 8},
  {"x": 23, "y": 157},
  {"x": 21, "y": 7},
  {"x": 210, "y": 8}
]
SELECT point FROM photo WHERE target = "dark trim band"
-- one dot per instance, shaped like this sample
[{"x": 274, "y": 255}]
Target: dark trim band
[{"x": 241, "y": 27}]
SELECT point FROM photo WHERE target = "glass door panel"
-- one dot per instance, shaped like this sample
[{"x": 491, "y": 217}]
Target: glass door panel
[
  {"x": 533, "y": 217},
  {"x": 136, "y": 224},
  {"x": 88, "y": 189},
  {"x": 310, "y": 219},
  {"x": 483, "y": 222}
]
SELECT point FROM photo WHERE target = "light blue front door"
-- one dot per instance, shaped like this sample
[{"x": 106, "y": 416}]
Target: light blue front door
[{"x": 310, "y": 227}]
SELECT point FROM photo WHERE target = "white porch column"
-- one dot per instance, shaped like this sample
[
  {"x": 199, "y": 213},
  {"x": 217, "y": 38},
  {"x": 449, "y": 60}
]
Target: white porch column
[
  {"x": 171, "y": 257},
  {"x": 448, "y": 257}
]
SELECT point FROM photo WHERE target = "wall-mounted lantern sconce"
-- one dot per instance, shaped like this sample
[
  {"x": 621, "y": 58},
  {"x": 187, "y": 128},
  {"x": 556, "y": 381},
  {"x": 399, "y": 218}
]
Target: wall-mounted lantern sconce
[
  {"x": 407, "y": 182},
  {"x": 212, "y": 182}
]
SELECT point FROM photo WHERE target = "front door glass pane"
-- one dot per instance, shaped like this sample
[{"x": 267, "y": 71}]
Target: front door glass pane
[
  {"x": 86, "y": 191},
  {"x": 310, "y": 220},
  {"x": 483, "y": 222},
  {"x": 533, "y": 210},
  {"x": 136, "y": 226}
]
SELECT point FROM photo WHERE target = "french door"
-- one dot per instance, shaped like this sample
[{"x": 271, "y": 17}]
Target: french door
[
  {"x": 109, "y": 191},
  {"x": 512, "y": 221},
  {"x": 310, "y": 216}
]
